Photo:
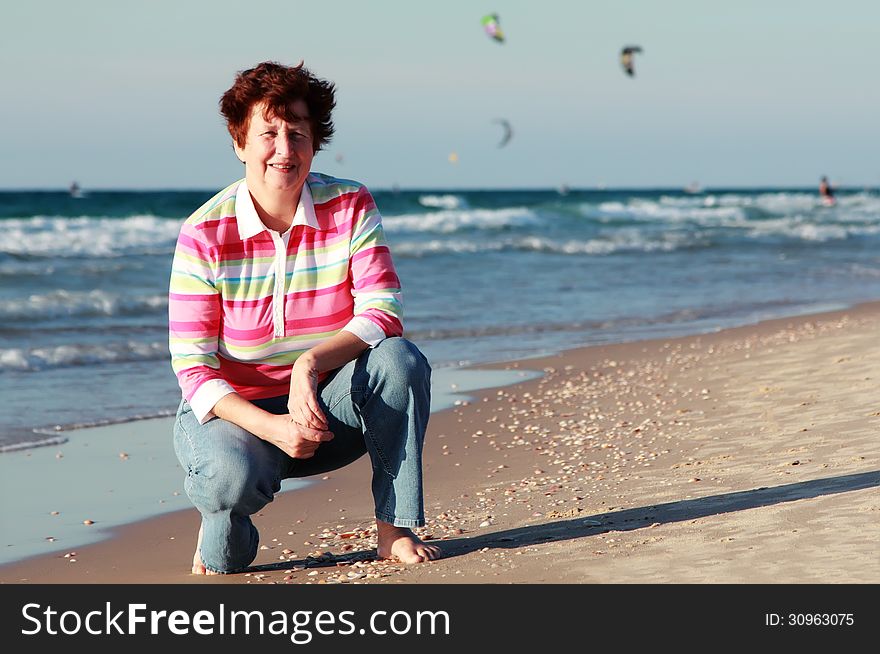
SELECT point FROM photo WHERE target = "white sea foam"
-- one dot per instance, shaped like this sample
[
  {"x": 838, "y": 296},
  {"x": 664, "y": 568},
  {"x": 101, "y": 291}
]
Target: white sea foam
[
  {"x": 42, "y": 358},
  {"x": 446, "y": 246},
  {"x": 790, "y": 203},
  {"x": 443, "y": 201},
  {"x": 88, "y": 236},
  {"x": 778, "y": 203},
  {"x": 861, "y": 270},
  {"x": 647, "y": 210},
  {"x": 27, "y": 445},
  {"x": 799, "y": 216},
  {"x": 449, "y": 221},
  {"x": 802, "y": 228},
  {"x": 621, "y": 240},
  {"x": 61, "y": 303}
]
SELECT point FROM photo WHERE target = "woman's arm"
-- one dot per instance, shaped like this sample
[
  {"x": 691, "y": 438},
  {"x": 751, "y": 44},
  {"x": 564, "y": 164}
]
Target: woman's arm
[
  {"x": 333, "y": 353},
  {"x": 193, "y": 323},
  {"x": 375, "y": 288}
]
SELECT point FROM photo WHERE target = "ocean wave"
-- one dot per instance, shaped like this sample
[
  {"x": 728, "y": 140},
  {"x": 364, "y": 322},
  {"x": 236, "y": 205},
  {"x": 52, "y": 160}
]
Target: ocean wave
[
  {"x": 621, "y": 240},
  {"x": 63, "y": 356},
  {"x": 647, "y": 210},
  {"x": 53, "y": 434},
  {"x": 30, "y": 444},
  {"x": 18, "y": 267},
  {"x": 57, "y": 236},
  {"x": 21, "y": 269},
  {"x": 798, "y": 217},
  {"x": 777, "y": 204},
  {"x": 789, "y": 203},
  {"x": 802, "y": 228},
  {"x": 448, "y": 221},
  {"x": 687, "y": 315},
  {"x": 57, "y": 304},
  {"x": 121, "y": 420},
  {"x": 446, "y": 201},
  {"x": 736, "y": 210},
  {"x": 863, "y": 271}
]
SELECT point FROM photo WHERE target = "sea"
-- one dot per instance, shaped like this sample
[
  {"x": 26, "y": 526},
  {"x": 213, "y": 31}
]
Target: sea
[{"x": 488, "y": 275}]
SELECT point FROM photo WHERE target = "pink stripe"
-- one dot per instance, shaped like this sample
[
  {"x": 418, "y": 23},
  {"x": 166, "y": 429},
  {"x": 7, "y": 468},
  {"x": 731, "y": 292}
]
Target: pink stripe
[
  {"x": 330, "y": 290},
  {"x": 389, "y": 324},
  {"x": 324, "y": 239},
  {"x": 333, "y": 204},
  {"x": 380, "y": 252},
  {"x": 188, "y": 243},
  {"x": 247, "y": 304},
  {"x": 181, "y": 297},
  {"x": 193, "y": 311},
  {"x": 321, "y": 322},
  {"x": 263, "y": 332},
  {"x": 181, "y": 326},
  {"x": 380, "y": 281}
]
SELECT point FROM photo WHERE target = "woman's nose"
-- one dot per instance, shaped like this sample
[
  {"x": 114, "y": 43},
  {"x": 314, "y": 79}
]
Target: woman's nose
[{"x": 282, "y": 145}]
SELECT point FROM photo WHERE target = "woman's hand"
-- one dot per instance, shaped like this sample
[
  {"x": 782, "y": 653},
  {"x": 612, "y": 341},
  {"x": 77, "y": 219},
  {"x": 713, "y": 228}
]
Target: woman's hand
[
  {"x": 295, "y": 440},
  {"x": 302, "y": 403}
]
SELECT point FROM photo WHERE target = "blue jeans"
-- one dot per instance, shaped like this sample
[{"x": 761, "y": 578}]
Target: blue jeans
[{"x": 377, "y": 404}]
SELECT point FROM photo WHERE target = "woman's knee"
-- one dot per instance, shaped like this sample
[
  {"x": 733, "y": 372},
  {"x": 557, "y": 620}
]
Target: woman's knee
[
  {"x": 235, "y": 479},
  {"x": 398, "y": 358},
  {"x": 238, "y": 487}
]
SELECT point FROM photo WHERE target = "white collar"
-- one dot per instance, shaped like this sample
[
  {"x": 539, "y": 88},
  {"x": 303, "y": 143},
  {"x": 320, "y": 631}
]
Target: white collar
[{"x": 249, "y": 223}]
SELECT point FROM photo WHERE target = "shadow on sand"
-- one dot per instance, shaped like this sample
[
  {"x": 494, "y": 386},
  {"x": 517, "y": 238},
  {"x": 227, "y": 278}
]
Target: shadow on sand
[{"x": 623, "y": 520}]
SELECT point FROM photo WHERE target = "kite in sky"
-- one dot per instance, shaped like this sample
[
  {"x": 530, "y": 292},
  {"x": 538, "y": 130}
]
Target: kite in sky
[
  {"x": 508, "y": 131},
  {"x": 626, "y": 58},
  {"x": 493, "y": 27}
]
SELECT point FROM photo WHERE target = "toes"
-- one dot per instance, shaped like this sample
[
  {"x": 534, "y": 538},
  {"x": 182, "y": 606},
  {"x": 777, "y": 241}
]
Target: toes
[
  {"x": 408, "y": 548},
  {"x": 428, "y": 554},
  {"x": 432, "y": 553}
]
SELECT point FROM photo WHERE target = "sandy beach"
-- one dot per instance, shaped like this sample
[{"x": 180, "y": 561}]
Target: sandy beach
[{"x": 748, "y": 455}]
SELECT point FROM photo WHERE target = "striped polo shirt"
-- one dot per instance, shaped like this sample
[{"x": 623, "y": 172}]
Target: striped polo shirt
[{"x": 246, "y": 301}]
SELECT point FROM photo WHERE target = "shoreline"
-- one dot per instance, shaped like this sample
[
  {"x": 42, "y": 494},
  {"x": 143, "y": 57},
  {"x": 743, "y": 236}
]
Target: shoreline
[
  {"x": 104, "y": 459},
  {"x": 48, "y": 435},
  {"x": 491, "y": 534}
]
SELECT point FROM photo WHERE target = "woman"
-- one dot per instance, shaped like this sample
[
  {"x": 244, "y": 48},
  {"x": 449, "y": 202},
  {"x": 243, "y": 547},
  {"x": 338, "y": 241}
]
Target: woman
[{"x": 284, "y": 314}]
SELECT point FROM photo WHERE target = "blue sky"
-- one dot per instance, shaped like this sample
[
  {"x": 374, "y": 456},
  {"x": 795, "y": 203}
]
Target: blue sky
[{"x": 124, "y": 94}]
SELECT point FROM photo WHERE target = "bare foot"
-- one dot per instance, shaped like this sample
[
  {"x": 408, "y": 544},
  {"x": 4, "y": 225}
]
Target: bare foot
[
  {"x": 402, "y": 544},
  {"x": 198, "y": 567}
]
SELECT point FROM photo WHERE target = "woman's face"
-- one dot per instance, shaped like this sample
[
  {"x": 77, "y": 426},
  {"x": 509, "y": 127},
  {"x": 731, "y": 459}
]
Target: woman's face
[{"x": 277, "y": 154}]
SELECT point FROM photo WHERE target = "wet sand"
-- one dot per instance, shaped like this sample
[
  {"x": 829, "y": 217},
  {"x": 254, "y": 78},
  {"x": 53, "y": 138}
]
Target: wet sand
[{"x": 749, "y": 455}]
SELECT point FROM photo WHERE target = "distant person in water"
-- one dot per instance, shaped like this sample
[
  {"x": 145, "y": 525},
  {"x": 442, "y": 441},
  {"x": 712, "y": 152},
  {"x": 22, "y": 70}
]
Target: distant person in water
[
  {"x": 285, "y": 332},
  {"x": 826, "y": 192}
]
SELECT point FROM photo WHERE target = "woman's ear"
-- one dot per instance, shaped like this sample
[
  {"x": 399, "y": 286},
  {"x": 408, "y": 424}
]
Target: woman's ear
[{"x": 239, "y": 152}]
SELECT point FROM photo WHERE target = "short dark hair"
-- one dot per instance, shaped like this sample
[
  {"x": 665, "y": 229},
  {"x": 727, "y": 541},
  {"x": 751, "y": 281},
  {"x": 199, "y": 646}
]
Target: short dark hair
[{"x": 279, "y": 86}]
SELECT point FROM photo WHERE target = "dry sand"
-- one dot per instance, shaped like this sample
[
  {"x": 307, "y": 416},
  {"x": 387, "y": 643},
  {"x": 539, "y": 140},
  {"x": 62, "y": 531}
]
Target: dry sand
[{"x": 744, "y": 456}]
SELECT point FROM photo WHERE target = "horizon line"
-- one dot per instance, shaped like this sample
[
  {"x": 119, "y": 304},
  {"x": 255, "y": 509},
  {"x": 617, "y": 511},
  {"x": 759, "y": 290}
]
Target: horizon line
[{"x": 449, "y": 189}]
